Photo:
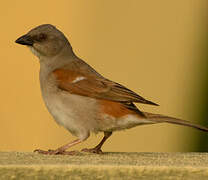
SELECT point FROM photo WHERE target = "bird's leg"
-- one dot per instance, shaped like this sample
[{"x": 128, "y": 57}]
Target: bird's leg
[
  {"x": 62, "y": 149},
  {"x": 97, "y": 149}
]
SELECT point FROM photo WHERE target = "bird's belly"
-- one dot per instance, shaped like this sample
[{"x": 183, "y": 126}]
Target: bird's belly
[{"x": 76, "y": 113}]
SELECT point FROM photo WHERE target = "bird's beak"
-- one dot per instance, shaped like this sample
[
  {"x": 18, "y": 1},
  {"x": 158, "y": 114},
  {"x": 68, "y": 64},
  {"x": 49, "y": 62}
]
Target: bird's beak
[{"x": 25, "y": 40}]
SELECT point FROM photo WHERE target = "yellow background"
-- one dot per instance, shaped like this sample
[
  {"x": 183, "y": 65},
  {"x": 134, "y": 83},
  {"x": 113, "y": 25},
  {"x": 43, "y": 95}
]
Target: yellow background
[{"x": 152, "y": 47}]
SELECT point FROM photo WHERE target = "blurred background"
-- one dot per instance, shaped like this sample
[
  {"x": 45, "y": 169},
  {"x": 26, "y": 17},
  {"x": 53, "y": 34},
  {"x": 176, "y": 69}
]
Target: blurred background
[{"x": 156, "y": 48}]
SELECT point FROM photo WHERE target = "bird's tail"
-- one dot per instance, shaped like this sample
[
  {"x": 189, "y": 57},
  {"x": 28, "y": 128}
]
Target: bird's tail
[{"x": 158, "y": 118}]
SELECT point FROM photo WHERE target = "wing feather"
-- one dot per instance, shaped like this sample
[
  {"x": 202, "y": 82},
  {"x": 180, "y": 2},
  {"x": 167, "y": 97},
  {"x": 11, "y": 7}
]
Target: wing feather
[{"x": 96, "y": 87}]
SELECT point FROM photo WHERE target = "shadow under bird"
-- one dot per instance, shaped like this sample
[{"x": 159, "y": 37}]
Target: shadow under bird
[{"x": 79, "y": 98}]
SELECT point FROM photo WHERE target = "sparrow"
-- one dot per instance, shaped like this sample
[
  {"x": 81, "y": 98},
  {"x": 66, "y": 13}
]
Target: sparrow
[{"x": 79, "y": 98}]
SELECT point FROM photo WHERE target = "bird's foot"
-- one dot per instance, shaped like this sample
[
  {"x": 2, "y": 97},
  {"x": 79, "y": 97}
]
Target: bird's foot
[
  {"x": 93, "y": 150},
  {"x": 56, "y": 152}
]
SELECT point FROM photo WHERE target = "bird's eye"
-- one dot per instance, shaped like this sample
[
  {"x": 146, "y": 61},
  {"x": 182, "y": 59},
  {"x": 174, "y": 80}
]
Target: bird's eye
[{"x": 40, "y": 37}]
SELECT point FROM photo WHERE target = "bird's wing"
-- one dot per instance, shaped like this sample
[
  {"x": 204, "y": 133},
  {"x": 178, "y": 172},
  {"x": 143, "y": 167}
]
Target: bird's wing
[{"x": 91, "y": 85}]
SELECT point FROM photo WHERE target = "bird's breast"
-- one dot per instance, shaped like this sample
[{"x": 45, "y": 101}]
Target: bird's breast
[{"x": 74, "y": 112}]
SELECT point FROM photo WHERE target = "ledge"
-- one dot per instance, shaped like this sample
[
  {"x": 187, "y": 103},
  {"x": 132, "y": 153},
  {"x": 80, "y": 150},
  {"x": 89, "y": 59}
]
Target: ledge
[{"x": 19, "y": 165}]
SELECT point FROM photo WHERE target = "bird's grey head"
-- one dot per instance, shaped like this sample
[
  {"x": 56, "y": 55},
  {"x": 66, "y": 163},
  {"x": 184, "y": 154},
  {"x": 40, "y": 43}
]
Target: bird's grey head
[{"x": 44, "y": 41}]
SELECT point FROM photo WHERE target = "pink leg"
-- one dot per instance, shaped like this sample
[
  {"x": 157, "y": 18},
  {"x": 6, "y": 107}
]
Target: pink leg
[
  {"x": 97, "y": 149},
  {"x": 61, "y": 150}
]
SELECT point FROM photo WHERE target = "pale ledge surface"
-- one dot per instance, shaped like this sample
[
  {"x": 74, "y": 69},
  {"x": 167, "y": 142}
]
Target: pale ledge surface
[{"x": 143, "y": 166}]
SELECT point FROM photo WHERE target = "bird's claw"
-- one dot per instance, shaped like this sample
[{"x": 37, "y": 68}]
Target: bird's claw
[
  {"x": 55, "y": 152},
  {"x": 93, "y": 150}
]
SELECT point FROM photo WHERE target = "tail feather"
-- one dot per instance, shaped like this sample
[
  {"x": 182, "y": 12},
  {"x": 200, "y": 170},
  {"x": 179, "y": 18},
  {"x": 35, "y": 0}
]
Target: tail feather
[{"x": 158, "y": 118}]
